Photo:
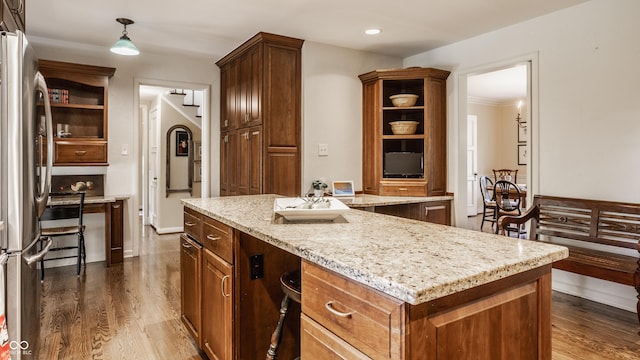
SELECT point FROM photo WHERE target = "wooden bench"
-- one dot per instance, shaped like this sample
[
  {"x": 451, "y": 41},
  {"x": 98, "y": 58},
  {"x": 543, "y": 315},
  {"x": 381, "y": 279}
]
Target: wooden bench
[{"x": 597, "y": 233}]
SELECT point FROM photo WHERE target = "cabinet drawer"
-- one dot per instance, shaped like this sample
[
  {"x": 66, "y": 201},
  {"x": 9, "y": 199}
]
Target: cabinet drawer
[
  {"x": 77, "y": 152},
  {"x": 403, "y": 189},
  {"x": 317, "y": 342},
  {"x": 193, "y": 224},
  {"x": 365, "y": 318},
  {"x": 218, "y": 238}
]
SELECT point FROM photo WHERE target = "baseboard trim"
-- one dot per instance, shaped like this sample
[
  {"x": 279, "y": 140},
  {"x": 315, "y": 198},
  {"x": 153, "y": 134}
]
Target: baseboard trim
[{"x": 601, "y": 291}]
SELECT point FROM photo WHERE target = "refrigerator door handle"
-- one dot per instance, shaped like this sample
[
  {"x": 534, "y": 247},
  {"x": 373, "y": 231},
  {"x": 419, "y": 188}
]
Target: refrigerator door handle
[
  {"x": 43, "y": 196},
  {"x": 3, "y": 259},
  {"x": 37, "y": 257}
]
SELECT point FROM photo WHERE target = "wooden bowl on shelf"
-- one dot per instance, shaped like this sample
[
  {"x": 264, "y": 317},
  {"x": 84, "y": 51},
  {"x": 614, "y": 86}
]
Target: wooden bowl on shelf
[
  {"x": 403, "y": 100},
  {"x": 403, "y": 127}
]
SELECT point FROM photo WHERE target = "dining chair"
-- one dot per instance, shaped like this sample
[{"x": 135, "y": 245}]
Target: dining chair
[
  {"x": 64, "y": 206},
  {"x": 508, "y": 197},
  {"x": 488, "y": 202},
  {"x": 505, "y": 174}
]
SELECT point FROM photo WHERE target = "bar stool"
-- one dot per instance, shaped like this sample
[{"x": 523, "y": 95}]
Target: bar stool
[{"x": 290, "y": 283}]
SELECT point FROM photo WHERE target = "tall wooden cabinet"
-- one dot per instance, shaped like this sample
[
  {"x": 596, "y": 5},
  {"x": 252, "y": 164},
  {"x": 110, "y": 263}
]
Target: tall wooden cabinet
[
  {"x": 260, "y": 117},
  {"x": 383, "y": 150},
  {"x": 79, "y": 111}
]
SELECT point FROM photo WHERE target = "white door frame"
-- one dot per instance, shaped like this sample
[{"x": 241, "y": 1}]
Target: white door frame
[
  {"x": 137, "y": 146},
  {"x": 472, "y": 169},
  {"x": 460, "y": 126}
]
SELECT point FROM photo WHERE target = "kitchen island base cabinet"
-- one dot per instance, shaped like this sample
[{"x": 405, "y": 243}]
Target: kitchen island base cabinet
[
  {"x": 437, "y": 212},
  {"x": 190, "y": 280},
  {"x": 505, "y": 319},
  {"x": 217, "y": 307}
]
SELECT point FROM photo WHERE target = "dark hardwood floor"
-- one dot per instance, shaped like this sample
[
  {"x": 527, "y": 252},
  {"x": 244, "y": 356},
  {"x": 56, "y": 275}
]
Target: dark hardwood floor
[{"x": 132, "y": 311}]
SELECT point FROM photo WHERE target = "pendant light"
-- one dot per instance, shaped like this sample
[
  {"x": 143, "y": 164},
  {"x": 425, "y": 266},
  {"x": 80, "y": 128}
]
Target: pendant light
[{"x": 124, "y": 46}]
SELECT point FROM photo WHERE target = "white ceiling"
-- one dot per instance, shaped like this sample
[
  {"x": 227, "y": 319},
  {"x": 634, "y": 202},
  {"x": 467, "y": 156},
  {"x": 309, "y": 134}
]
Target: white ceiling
[
  {"x": 212, "y": 28},
  {"x": 498, "y": 87},
  {"x": 215, "y": 27}
]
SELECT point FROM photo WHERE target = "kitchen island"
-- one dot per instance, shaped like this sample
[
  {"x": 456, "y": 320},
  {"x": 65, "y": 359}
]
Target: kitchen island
[{"x": 375, "y": 286}]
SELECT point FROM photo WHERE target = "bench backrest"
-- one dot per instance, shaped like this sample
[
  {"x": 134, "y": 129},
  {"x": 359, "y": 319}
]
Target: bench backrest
[{"x": 603, "y": 222}]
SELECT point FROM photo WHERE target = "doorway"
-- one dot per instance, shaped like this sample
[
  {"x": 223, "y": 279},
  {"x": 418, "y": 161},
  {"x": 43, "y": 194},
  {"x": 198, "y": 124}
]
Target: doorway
[
  {"x": 490, "y": 95},
  {"x": 150, "y": 162}
]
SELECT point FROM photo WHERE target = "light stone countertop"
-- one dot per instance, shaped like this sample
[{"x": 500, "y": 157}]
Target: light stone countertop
[
  {"x": 92, "y": 200},
  {"x": 410, "y": 260},
  {"x": 366, "y": 200}
]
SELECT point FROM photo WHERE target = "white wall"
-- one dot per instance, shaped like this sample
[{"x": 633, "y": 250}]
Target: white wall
[
  {"x": 585, "y": 125},
  {"x": 121, "y": 178},
  {"x": 332, "y": 111},
  {"x": 169, "y": 208}
]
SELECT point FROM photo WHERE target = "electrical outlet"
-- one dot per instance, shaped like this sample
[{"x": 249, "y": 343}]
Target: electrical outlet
[
  {"x": 257, "y": 266},
  {"x": 323, "y": 149}
]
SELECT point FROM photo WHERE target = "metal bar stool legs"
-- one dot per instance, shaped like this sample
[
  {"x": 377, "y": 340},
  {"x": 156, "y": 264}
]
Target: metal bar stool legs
[{"x": 290, "y": 283}]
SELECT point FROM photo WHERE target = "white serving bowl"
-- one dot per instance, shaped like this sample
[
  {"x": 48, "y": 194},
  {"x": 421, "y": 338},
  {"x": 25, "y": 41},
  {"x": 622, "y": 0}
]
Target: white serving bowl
[
  {"x": 404, "y": 127},
  {"x": 403, "y": 100}
]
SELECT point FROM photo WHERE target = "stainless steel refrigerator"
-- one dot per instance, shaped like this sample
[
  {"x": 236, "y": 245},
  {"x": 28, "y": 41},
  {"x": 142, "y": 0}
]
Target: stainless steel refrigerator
[{"x": 25, "y": 139}]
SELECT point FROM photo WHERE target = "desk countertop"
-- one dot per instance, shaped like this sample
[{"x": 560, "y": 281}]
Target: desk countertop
[
  {"x": 410, "y": 260},
  {"x": 93, "y": 200}
]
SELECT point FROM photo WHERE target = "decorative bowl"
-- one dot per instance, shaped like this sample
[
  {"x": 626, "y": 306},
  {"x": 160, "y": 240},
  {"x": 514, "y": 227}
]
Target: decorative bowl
[
  {"x": 404, "y": 127},
  {"x": 403, "y": 100}
]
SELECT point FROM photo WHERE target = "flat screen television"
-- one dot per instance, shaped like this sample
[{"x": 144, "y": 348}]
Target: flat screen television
[{"x": 403, "y": 165}]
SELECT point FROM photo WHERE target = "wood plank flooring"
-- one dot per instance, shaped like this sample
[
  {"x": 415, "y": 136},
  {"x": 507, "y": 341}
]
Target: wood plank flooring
[{"x": 131, "y": 311}]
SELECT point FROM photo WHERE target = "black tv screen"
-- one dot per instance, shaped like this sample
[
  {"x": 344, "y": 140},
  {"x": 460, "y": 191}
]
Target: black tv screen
[{"x": 403, "y": 164}]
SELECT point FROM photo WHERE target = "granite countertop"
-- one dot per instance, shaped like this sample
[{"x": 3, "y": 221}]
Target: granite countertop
[
  {"x": 366, "y": 200},
  {"x": 93, "y": 200},
  {"x": 410, "y": 260}
]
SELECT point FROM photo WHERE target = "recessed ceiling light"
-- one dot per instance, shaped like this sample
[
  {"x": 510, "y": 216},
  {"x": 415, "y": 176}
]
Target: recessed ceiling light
[{"x": 372, "y": 31}]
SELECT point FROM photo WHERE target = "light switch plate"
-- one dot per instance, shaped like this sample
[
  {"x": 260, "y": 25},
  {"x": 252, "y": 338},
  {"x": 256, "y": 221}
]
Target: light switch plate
[{"x": 124, "y": 149}]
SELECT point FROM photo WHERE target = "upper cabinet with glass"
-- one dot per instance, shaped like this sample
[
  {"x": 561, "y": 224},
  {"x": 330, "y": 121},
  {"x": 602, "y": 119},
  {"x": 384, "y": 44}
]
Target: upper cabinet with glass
[{"x": 78, "y": 95}]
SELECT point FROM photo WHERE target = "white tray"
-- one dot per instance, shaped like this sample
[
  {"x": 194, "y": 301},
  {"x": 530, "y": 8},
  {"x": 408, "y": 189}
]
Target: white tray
[{"x": 284, "y": 207}]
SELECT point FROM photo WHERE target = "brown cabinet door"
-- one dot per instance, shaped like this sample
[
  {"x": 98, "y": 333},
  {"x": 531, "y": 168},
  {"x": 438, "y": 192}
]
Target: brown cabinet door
[
  {"x": 229, "y": 96},
  {"x": 190, "y": 282},
  {"x": 217, "y": 307},
  {"x": 437, "y": 212},
  {"x": 229, "y": 163},
  {"x": 244, "y": 161},
  {"x": 250, "y": 85},
  {"x": 116, "y": 249},
  {"x": 250, "y": 161},
  {"x": 255, "y": 157}
]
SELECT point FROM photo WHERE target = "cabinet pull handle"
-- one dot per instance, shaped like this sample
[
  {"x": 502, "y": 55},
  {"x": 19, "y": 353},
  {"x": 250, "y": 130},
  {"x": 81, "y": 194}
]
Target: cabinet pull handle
[
  {"x": 222, "y": 282},
  {"x": 115, "y": 206},
  {"x": 403, "y": 189},
  {"x": 80, "y": 152},
  {"x": 186, "y": 246},
  {"x": 329, "y": 306},
  {"x": 426, "y": 209},
  {"x": 226, "y": 123},
  {"x": 213, "y": 238},
  {"x": 189, "y": 223}
]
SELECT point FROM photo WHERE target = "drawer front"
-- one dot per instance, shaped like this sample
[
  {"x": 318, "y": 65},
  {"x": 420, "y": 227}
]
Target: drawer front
[
  {"x": 218, "y": 238},
  {"x": 368, "y": 320},
  {"x": 77, "y": 152},
  {"x": 408, "y": 189},
  {"x": 317, "y": 342},
  {"x": 193, "y": 224}
]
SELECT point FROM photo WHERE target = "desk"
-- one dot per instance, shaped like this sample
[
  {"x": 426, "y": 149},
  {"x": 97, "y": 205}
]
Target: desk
[{"x": 112, "y": 207}]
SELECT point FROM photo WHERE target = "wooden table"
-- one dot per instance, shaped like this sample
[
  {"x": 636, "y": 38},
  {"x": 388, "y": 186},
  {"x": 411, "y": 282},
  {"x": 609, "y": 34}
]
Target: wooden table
[{"x": 523, "y": 193}]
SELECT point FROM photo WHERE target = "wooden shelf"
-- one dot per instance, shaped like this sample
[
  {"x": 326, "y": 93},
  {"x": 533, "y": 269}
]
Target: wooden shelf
[{"x": 403, "y": 137}]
